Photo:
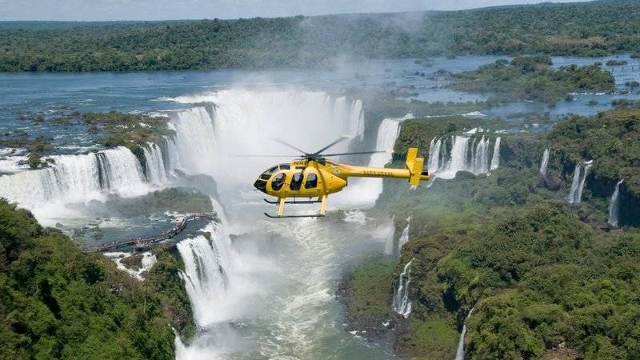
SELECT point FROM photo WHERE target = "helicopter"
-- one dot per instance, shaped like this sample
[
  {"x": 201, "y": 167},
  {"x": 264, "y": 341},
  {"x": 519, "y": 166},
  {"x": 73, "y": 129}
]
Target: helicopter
[{"x": 312, "y": 177}]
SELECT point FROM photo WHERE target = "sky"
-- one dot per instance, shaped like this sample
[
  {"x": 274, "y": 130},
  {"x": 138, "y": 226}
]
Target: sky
[{"x": 111, "y": 10}]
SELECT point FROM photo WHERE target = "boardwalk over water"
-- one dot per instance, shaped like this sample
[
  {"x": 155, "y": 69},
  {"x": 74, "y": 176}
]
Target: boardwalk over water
[{"x": 143, "y": 242}]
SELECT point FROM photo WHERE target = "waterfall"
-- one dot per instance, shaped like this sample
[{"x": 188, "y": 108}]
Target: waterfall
[
  {"x": 401, "y": 303},
  {"x": 75, "y": 179},
  {"x": 472, "y": 157},
  {"x": 244, "y": 121},
  {"x": 577, "y": 184},
  {"x": 572, "y": 198},
  {"x": 545, "y": 162},
  {"x": 614, "y": 206},
  {"x": 364, "y": 191},
  {"x": 460, "y": 352},
  {"x": 154, "y": 164},
  {"x": 389, "y": 245},
  {"x": 404, "y": 237},
  {"x": 207, "y": 274},
  {"x": 433, "y": 163},
  {"x": 584, "y": 178},
  {"x": 495, "y": 159}
]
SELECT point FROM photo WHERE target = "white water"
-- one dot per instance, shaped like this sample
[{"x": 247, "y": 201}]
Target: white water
[
  {"x": 572, "y": 198},
  {"x": 577, "y": 184},
  {"x": 471, "y": 154},
  {"x": 390, "y": 233},
  {"x": 147, "y": 261},
  {"x": 404, "y": 237},
  {"x": 154, "y": 162},
  {"x": 584, "y": 178},
  {"x": 75, "y": 179},
  {"x": 495, "y": 160},
  {"x": 460, "y": 352},
  {"x": 614, "y": 206},
  {"x": 269, "y": 292},
  {"x": 545, "y": 162},
  {"x": 388, "y": 132},
  {"x": 401, "y": 303}
]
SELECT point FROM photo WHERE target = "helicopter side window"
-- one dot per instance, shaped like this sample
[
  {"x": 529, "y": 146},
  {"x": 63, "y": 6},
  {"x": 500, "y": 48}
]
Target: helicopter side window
[
  {"x": 296, "y": 181},
  {"x": 312, "y": 181},
  {"x": 278, "y": 181},
  {"x": 285, "y": 166}
]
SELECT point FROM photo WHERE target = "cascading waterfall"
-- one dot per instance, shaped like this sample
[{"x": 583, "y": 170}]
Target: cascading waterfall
[
  {"x": 434, "y": 155},
  {"x": 364, "y": 191},
  {"x": 389, "y": 248},
  {"x": 154, "y": 164},
  {"x": 584, "y": 178},
  {"x": 460, "y": 352},
  {"x": 207, "y": 274},
  {"x": 75, "y": 179},
  {"x": 247, "y": 121},
  {"x": 463, "y": 156},
  {"x": 218, "y": 274},
  {"x": 545, "y": 162},
  {"x": 614, "y": 206},
  {"x": 572, "y": 198},
  {"x": 404, "y": 237},
  {"x": 495, "y": 159},
  {"x": 577, "y": 184},
  {"x": 401, "y": 303}
]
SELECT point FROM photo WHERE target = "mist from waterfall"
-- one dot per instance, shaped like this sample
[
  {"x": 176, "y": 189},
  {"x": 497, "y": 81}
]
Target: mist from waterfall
[
  {"x": 545, "y": 162},
  {"x": 460, "y": 351},
  {"x": 449, "y": 155},
  {"x": 401, "y": 303},
  {"x": 239, "y": 121},
  {"x": 614, "y": 206},
  {"x": 404, "y": 237}
]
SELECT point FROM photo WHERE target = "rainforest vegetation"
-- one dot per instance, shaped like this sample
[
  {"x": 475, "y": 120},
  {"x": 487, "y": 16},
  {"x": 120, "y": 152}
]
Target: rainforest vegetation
[
  {"x": 530, "y": 78},
  {"x": 586, "y": 29},
  {"x": 548, "y": 280},
  {"x": 57, "y": 302}
]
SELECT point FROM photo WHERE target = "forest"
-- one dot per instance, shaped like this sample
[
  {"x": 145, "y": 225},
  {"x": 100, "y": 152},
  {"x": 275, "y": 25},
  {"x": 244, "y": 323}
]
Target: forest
[
  {"x": 546, "y": 279},
  {"x": 586, "y": 29},
  {"x": 57, "y": 302}
]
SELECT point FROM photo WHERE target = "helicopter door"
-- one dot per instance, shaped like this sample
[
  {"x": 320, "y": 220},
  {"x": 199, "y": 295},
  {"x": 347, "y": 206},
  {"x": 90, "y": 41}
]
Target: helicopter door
[
  {"x": 278, "y": 181},
  {"x": 296, "y": 181},
  {"x": 312, "y": 181}
]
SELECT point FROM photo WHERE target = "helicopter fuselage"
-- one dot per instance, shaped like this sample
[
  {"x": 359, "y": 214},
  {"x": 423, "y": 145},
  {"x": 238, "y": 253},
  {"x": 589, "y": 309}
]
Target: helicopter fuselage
[{"x": 317, "y": 178}]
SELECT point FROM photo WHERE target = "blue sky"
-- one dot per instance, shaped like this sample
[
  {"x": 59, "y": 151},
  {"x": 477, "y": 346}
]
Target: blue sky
[{"x": 98, "y": 10}]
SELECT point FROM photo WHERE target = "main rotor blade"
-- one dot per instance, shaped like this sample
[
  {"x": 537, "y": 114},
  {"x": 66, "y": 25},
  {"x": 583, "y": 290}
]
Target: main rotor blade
[
  {"x": 330, "y": 145},
  {"x": 360, "y": 153},
  {"x": 289, "y": 145}
]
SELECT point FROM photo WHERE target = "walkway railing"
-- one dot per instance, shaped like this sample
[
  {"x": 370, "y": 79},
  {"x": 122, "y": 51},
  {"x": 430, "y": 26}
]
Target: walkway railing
[{"x": 143, "y": 242}]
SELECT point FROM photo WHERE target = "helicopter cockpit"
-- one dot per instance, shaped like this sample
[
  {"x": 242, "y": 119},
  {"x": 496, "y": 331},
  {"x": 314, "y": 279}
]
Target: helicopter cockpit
[
  {"x": 279, "y": 175},
  {"x": 261, "y": 183}
]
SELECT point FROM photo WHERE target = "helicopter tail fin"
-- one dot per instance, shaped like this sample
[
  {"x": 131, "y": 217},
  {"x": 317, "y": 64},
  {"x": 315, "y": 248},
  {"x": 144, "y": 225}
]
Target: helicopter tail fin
[{"x": 414, "y": 165}]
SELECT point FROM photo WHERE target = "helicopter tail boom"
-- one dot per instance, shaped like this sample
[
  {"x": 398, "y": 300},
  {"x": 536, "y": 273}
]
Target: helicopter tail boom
[{"x": 412, "y": 172}]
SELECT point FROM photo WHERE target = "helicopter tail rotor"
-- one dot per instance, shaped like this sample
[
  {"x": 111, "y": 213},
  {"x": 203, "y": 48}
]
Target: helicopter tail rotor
[{"x": 414, "y": 165}]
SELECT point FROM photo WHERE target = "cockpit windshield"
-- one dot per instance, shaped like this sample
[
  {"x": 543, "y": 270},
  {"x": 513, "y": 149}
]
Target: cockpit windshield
[{"x": 267, "y": 174}]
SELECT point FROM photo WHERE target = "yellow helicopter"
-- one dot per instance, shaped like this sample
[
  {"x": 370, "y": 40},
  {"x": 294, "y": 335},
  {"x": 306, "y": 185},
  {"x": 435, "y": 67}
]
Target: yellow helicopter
[{"x": 313, "y": 176}]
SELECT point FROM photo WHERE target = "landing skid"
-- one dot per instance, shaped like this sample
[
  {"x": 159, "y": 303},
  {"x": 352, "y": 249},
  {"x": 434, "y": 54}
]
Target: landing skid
[
  {"x": 292, "y": 216},
  {"x": 282, "y": 201},
  {"x": 294, "y": 202}
]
